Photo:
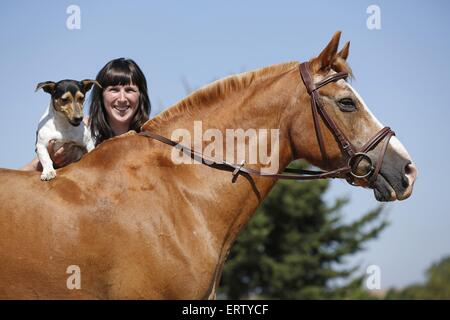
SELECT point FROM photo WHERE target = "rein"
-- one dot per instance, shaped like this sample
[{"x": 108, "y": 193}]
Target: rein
[{"x": 353, "y": 155}]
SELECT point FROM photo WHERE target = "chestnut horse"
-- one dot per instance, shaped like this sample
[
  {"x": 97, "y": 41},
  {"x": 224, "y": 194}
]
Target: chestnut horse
[{"x": 139, "y": 226}]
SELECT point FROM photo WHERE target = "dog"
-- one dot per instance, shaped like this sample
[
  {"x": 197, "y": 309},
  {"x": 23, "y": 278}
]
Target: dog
[{"x": 63, "y": 120}]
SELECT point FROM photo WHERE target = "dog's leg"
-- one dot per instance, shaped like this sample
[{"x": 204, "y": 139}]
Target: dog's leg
[
  {"x": 47, "y": 164},
  {"x": 87, "y": 140}
]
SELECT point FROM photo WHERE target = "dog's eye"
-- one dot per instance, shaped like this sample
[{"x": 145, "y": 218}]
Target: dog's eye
[
  {"x": 347, "y": 105},
  {"x": 64, "y": 100}
]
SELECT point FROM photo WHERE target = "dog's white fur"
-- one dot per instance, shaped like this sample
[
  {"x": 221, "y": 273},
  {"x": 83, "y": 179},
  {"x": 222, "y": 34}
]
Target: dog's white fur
[{"x": 55, "y": 126}]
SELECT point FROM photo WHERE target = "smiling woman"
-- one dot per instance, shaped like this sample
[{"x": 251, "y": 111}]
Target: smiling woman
[{"x": 122, "y": 104}]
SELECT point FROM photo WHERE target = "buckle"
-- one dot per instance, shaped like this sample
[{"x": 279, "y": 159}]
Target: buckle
[{"x": 236, "y": 171}]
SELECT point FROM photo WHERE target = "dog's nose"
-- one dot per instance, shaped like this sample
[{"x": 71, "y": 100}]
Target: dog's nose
[{"x": 77, "y": 120}]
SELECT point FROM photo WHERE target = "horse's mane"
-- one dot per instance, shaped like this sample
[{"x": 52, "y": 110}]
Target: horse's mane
[
  {"x": 218, "y": 90},
  {"x": 222, "y": 87}
]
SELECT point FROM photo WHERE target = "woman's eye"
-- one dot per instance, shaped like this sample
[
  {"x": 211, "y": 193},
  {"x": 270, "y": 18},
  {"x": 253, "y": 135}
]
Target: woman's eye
[{"x": 347, "y": 105}]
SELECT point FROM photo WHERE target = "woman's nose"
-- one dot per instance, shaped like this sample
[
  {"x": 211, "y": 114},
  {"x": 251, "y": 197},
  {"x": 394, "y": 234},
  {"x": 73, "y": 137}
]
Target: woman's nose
[{"x": 122, "y": 95}]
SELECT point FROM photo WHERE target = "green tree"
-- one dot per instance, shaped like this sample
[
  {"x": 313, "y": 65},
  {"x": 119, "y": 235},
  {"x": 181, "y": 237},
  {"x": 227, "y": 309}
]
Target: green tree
[
  {"x": 436, "y": 286},
  {"x": 295, "y": 245}
]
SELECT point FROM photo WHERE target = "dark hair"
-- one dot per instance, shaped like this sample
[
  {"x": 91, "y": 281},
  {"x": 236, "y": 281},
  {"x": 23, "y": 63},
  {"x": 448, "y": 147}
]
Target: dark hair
[{"x": 119, "y": 71}]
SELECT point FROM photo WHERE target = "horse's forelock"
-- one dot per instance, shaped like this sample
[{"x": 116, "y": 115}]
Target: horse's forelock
[{"x": 340, "y": 65}]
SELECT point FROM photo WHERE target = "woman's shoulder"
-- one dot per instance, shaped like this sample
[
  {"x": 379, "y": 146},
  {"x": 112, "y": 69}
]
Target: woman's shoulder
[{"x": 86, "y": 120}]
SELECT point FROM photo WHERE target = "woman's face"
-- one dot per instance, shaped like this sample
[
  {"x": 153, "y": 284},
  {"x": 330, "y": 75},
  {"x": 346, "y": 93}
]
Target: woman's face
[{"x": 121, "y": 103}]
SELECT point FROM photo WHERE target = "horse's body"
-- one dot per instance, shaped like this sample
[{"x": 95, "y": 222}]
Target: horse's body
[
  {"x": 136, "y": 230},
  {"x": 136, "y": 224}
]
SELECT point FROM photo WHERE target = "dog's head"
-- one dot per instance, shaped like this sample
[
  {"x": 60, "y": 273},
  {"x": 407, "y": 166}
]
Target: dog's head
[{"x": 68, "y": 97}]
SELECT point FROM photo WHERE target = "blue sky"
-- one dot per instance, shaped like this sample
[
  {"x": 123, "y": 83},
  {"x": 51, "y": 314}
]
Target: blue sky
[{"x": 402, "y": 71}]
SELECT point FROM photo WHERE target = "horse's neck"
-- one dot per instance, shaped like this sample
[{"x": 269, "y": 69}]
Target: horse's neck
[{"x": 262, "y": 105}]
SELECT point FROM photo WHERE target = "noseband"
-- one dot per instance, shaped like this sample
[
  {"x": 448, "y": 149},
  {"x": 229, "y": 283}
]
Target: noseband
[{"x": 352, "y": 154}]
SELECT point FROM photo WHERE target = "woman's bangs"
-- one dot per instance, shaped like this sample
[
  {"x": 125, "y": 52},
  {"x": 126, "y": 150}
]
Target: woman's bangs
[{"x": 118, "y": 77}]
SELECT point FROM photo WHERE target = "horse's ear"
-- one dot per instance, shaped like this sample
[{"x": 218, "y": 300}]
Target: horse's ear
[
  {"x": 344, "y": 52},
  {"x": 323, "y": 61}
]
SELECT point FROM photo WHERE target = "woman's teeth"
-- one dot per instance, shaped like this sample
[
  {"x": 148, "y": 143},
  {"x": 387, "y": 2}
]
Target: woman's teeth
[{"x": 122, "y": 109}]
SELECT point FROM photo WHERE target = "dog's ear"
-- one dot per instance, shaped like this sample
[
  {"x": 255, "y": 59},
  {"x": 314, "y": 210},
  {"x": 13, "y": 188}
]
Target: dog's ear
[
  {"x": 87, "y": 84},
  {"x": 47, "y": 86}
]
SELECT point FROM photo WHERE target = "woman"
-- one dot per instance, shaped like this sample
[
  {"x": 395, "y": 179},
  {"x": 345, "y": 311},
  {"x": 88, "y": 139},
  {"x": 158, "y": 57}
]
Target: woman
[{"x": 121, "y": 105}]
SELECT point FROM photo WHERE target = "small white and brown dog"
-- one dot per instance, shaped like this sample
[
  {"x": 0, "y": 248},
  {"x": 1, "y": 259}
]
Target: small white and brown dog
[{"x": 63, "y": 120}]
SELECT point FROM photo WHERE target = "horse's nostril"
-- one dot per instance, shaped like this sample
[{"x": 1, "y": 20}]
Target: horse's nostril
[
  {"x": 408, "y": 169},
  {"x": 410, "y": 174}
]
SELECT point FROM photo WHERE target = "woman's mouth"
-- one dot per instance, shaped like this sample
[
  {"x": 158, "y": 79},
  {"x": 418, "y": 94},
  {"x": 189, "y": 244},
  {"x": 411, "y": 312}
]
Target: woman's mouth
[{"x": 121, "y": 109}]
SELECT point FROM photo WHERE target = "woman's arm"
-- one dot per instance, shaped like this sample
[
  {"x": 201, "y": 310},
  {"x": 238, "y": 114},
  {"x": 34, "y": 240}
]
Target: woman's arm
[{"x": 34, "y": 165}]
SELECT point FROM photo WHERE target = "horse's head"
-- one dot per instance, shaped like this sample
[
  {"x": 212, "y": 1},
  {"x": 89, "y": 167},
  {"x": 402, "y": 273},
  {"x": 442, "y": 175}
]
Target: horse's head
[{"x": 351, "y": 116}]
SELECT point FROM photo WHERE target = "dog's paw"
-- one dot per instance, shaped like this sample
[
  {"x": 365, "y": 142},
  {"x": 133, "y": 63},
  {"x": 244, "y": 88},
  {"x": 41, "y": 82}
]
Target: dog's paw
[{"x": 48, "y": 175}]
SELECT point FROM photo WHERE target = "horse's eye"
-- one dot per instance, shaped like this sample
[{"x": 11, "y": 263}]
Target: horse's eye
[{"x": 347, "y": 105}]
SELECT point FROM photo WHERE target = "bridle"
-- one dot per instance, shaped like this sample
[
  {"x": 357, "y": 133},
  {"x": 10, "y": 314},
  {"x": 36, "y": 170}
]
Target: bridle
[{"x": 353, "y": 155}]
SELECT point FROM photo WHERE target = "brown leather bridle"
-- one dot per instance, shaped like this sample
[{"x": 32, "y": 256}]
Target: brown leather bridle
[{"x": 353, "y": 155}]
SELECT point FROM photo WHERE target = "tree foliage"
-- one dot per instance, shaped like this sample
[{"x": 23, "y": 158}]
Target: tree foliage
[{"x": 436, "y": 286}]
